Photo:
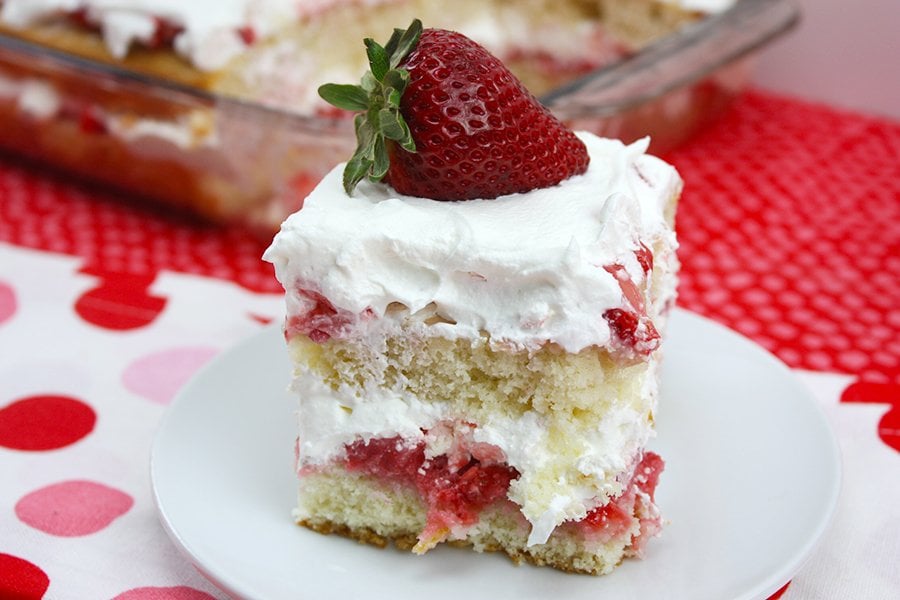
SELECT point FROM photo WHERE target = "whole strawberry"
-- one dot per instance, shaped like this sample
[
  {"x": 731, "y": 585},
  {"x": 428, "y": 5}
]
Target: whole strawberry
[{"x": 443, "y": 118}]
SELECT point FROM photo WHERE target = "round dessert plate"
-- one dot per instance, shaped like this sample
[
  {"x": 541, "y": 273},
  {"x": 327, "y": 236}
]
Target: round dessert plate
[{"x": 751, "y": 481}]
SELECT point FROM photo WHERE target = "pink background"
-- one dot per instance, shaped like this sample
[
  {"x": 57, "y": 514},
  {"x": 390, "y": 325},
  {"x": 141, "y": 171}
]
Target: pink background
[{"x": 843, "y": 53}]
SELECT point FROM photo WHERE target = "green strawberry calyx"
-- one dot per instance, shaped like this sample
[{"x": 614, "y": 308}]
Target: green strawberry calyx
[{"x": 377, "y": 100}]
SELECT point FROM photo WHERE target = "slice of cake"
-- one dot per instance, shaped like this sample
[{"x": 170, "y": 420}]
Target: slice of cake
[{"x": 480, "y": 371}]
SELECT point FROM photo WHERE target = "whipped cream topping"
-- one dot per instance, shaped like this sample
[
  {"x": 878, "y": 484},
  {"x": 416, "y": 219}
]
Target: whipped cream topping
[
  {"x": 525, "y": 268},
  {"x": 704, "y": 6}
]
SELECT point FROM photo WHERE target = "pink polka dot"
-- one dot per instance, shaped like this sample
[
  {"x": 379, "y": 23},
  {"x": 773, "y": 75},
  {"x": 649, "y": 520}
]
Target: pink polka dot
[
  {"x": 73, "y": 508},
  {"x": 716, "y": 297},
  {"x": 757, "y": 297},
  {"x": 820, "y": 361},
  {"x": 733, "y": 311},
  {"x": 790, "y": 356},
  {"x": 739, "y": 280},
  {"x": 853, "y": 361},
  {"x": 801, "y": 316},
  {"x": 7, "y": 301},
  {"x": 812, "y": 341},
  {"x": 164, "y": 593},
  {"x": 784, "y": 331},
  {"x": 893, "y": 318},
  {"x": 748, "y": 327},
  {"x": 766, "y": 313},
  {"x": 791, "y": 299},
  {"x": 868, "y": 344},
  {"x": 158, "y": 376},
  {"x": 773, "y": 283}
]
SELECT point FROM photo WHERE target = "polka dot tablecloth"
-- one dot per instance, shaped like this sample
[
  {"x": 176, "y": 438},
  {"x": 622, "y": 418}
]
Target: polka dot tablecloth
[{"x": 790, "y": 234}]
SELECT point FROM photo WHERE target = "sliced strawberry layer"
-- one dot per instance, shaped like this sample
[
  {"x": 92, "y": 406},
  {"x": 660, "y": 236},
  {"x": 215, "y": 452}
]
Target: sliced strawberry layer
[
  {"x": 321, "y": 320},
  {"x": 455, "y": 492},
  {"x": 645, "y": 258},
  {"x": 454, "y": 495},
  {"x": 164, "y": 32},
  {"x": 616, "y": 517},
  {"x": 633, "y": 331}
]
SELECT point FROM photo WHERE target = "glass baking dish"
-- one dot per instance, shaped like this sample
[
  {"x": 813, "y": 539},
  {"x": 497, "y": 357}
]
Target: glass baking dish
[{"x": 238, "y": 162}]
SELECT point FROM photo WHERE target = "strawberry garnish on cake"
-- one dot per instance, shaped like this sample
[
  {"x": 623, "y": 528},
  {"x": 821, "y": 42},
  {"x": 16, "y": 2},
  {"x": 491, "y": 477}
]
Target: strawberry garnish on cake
[{"x": 442, "y": 118}]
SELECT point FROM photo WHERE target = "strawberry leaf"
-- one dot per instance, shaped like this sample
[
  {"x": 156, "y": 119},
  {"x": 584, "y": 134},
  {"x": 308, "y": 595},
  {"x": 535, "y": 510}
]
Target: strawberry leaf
[
  {"x": 378, "y": 58},
  {"x": 391, "y": 124},
  {"x": 407, "y": 141},
  {"x": 391, "y": 46},
  {"x": 369, "y": 84},
  {"x": 366, "y": 135},
  {"x": 356, "y": 169},
  {"x": 377, "y": 100},
  {"x": 406, "y": 43},
  {"x": 396, "y": 80},
  {"x": 348, "y": 97},
  {"x": 381, "y": 163}
]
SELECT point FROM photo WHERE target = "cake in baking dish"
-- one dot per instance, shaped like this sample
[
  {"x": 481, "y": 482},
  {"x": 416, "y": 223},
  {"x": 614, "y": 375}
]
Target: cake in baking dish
[
  {"x": 479, "y": 370},
  {"x": 251, "y": 167},
  {"x": 279, "y": 51}
]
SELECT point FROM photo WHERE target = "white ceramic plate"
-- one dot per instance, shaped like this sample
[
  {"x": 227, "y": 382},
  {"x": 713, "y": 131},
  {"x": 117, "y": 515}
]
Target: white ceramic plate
[{"x": 751, "y": 481}]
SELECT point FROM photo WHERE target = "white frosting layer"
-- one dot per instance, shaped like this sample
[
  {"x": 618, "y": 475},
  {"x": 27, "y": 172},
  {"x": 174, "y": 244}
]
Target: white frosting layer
[{"x": 541, "y": 279}]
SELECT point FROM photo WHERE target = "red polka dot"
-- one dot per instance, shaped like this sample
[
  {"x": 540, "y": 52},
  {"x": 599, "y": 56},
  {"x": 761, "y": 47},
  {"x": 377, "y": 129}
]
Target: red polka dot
[
  {"x": 7, "y": 301},
  {"x": 164, "y": 593},
  {"x": 45, "y": 422},
  {"x": 73, "y": 508},
  {"x": 20, "y": 579},
  {"x": 120, "y": 302},
  {"x": 265, "y": 320},
  {"x": 780, "y": 592},
  {"x": 889, "y": 428},
  {"x": 111, "y": 233},
  {"x": 879, "y": 393}
]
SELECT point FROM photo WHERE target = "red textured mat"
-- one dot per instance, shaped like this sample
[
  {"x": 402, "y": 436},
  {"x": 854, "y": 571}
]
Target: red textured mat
[
  {"x": 789, "y": 224},
  {"x": 790, "y": 233}
]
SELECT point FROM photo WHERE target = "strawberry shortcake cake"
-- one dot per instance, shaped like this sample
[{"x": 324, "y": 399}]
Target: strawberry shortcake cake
[{"x": 475, "y": 303}]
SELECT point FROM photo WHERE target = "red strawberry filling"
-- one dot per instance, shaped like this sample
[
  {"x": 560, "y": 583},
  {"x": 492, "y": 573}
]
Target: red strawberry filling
[
  {"x": 454, "y": 493},
  {"x": 645, "y": 258},
  {"x": 164, "y": 33},
  {"x": 90, "y": 120},
  {"x": 321, "y": 321},
  {"x": 632, "y": 329},
  {"x": 457, "y": 488},
  {"x": 616, "y": 517}
]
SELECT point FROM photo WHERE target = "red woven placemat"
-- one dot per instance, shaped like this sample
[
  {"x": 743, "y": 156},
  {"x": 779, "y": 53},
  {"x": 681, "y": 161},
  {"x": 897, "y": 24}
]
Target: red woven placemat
[
  {"x": 790, "y": 233},
  {"x": 789, "y": 225}
]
